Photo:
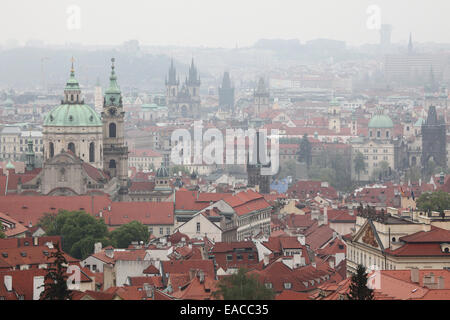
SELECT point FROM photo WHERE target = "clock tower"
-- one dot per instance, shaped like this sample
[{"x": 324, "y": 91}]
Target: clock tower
[{"x": 115, "y": 152}]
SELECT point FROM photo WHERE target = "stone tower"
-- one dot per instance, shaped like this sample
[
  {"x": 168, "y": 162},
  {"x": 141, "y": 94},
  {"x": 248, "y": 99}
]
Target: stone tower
[
  {"x": 172, "y": 84},
  {"x": 226, "y": 94},
  {"x": 30, "y": 155},
  {"x": 115, "y": 152},
  {"x": 261, "y": 98},
  {"x": 193, "y": 83},
  {"x": 255, "y": 178},
  {"x": 434, "y": 140}
]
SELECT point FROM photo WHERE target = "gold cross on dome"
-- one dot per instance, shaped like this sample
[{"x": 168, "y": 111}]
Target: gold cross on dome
[{"x": 73, "y": 60}]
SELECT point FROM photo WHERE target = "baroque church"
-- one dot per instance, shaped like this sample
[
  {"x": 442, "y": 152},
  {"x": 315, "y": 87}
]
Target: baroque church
[
  {"x": 83, "y": 153},
  {"x": 184, "y": 101}
]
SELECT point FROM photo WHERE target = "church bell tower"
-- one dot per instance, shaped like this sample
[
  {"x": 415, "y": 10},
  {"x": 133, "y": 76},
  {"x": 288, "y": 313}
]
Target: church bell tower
[{"x": 115, "y": 152}]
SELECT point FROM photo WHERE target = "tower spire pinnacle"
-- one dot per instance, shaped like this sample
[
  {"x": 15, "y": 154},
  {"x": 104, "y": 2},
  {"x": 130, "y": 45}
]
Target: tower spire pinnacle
[
  {"x": 113, "y": 93},
  {"x": 72, "y": 70},
  {"x": 410, "y": 45}
]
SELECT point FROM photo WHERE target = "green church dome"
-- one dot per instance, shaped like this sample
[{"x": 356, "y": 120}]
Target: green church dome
[
  {"x": 73, "y": 115},
  {"x": 72, "y": 112},
  {"x": 381, "y": 121}
]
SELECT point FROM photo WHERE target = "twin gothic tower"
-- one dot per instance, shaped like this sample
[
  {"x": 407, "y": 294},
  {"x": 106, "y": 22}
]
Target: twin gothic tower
[{"x": 183, "y": 102}]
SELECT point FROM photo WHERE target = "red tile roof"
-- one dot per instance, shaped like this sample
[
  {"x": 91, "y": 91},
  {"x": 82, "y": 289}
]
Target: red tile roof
[
  {"x": 292, "y": 295},
  {"x": 246, "y": 202},
  {"x": 184, "y": 266},
  {"x": 13, "y": 227},
  {"x": 148, "y": 213},
  {"x": 436, "y": 234},
  {"x": 26, "y": 209}
]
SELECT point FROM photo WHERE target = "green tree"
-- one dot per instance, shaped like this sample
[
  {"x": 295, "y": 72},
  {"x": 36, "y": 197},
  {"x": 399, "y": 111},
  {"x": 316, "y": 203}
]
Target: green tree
[
  {"x": 79, "y": 231},
  {"x": 176, "y": 169},
  {"x": 435, "y": 201},
  {"x": 305, "y": 151},
  {"x": 288, "y": 169},
  {"x": 125, "y": 234},
  {"x": 358, "y": 286},
  {"x": 413, "y": 174},
  {"x": 241, "y": 286},
  {"x": 384, "y": 166},
  {"x": 55, "y": 281},
  {"x": 2, "y": 235},
  {"x": 359, "y": 163}
]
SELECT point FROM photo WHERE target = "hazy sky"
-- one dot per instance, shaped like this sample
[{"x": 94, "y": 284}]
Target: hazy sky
[{"x": 225, "y": 23}]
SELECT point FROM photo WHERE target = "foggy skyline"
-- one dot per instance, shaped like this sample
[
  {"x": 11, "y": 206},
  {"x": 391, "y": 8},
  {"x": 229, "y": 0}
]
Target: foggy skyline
[{"x": 213, "y": 23}]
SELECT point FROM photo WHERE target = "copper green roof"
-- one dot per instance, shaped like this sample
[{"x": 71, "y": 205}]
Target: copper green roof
[
  {"x": 113, "y": 93},
  {"x": 334, "y": 103},
  {"x": 72, "y": 83},
  {"x": 10, "y": 165},
  {"x": 73, "y": 115},
  {"x": 419, "y": 122},
  {"x": 381, "y": 121},
  {"x": 8, "y": 103}
]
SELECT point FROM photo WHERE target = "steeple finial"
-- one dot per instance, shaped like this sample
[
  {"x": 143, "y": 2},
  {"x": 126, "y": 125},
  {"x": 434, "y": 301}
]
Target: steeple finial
[{"x": 73, "y": 69}]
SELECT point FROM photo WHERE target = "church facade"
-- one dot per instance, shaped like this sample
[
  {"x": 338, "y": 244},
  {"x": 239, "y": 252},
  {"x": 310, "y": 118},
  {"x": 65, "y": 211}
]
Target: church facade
[
  {"x": 83, "y": 153},
  {"x": 184, "y": 101}
]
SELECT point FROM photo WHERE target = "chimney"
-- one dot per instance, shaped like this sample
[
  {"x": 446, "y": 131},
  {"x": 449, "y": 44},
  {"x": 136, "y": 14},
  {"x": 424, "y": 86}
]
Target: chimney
[
  {"x": 191, "y": 274},
  {"x": 109, "y": 252},
  {"x": 38, "y": 287},
  {"x": 415, "y": 275},
  {"x": 35, "y": 241},
  {"x": 97, "y": 247},
  {"x": 325, "y": 215},
  {"x": 313, "y": 264},
  {"x": 149, "y": 290},
  {"x": 350, "y": 212},
  {"x": 8, "y": 283},
  {"x": 440, "y": 282},
  {"x": 201, "y": 276},
  {"x": 301, "y": 239},
  {"x": 266, "y": 259},
  {"x": 428, "y": 281}
]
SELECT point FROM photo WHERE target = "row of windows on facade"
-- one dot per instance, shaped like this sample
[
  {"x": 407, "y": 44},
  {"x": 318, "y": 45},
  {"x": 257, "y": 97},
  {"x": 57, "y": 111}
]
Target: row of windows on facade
[
  {"x": 22, "y": 149},
  {"x": 375, "y": 150},
  {"x": 376, "y": 158},
  {"x": 24, "y": 141},
  {"x": 161, "y": 231},
  {"x": 253, "y": 218},
  {"x": 359, "y": 257},
  {"x": 71, "y": 147},
  {"x": 378, "y": 134}
]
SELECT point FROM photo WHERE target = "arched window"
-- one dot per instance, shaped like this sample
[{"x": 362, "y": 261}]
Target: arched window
[
  {"x": 52, "y": 150},
  {"x": 112, "y": 130},
  {"x": 92, "y": 152},
  {"x": 387, "y": 134},
  {"x": 71, "y": 147},
  {"x": 112, "y": 164}
]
